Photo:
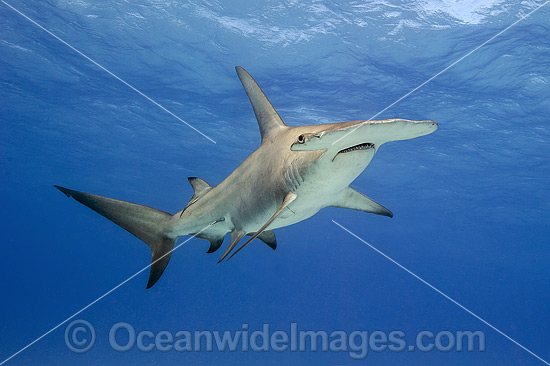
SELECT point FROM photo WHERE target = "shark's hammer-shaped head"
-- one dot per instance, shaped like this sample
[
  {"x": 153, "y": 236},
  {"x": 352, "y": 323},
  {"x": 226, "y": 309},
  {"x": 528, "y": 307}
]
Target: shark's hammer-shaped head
[
  {"x": 349, "y": 137},
  {"x": 349, "y": 145}
]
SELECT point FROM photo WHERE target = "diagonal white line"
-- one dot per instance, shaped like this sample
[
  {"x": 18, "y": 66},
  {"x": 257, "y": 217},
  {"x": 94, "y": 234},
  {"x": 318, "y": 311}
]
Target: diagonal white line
[
  {"x": 447, "y": 68},
  {"x": 106, "y": 70},
  {"x": 101, "y": 297},
  {"x": 442, "y": 293}
]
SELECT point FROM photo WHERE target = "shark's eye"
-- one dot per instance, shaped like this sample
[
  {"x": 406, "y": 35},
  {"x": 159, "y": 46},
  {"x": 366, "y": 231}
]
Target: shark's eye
[{"x": 301, "y": 139}]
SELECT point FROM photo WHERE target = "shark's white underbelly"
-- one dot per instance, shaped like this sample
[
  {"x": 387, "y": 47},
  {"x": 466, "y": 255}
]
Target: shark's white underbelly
[
  {"x": 323, "y": 191},
  {"x": 320, "y": 187}
]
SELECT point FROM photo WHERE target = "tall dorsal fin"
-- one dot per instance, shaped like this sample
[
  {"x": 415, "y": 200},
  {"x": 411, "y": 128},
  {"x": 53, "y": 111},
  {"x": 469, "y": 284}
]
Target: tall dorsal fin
[
  {"x": 199, "y": 185},
  {"x": 268, "y": 118}
]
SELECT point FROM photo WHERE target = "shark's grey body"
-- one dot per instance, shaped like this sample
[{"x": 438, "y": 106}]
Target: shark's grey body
[{"x": 294, "y": 173}]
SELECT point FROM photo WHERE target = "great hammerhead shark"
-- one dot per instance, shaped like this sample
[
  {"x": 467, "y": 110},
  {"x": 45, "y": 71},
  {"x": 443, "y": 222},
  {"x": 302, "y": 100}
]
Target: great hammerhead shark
[{"x": 294, "y": 173}]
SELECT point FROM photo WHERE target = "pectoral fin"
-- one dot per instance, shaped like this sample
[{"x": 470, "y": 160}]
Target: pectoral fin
[
  {"x": 287, "y": 201},
  {"x": 236, "y": 235},
  {"x": 357, "y": 201}
]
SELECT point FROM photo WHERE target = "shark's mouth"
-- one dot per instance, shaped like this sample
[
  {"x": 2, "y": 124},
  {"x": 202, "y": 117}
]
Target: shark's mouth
[{"x": 364, "y": 146}]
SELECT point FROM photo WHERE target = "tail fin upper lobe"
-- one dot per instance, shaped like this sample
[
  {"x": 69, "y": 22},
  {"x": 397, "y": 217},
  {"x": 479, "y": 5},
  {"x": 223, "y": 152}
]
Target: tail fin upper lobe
[{"x": 148, "y": 224}]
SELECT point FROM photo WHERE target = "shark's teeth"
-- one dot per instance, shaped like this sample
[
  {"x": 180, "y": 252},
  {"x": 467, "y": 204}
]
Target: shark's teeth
[{"x": 364, "y": 146}]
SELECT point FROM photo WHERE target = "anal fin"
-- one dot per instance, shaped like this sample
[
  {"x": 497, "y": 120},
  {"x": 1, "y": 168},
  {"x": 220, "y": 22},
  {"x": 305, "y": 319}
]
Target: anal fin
[{"x": 355, "y": 200}]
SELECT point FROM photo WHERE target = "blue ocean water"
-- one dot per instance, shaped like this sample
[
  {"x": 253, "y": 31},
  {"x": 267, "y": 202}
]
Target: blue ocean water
[{"x": 471, "y": 201}]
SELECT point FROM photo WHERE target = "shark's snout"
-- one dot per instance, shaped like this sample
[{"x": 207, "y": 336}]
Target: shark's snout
[{"x": 432, "y": 126}]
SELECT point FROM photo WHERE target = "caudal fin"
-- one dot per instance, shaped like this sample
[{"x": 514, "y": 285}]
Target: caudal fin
[{"x": 146, "y": 223}]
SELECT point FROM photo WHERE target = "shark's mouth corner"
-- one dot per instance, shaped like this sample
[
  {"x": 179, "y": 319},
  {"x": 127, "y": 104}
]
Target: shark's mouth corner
[{"x": 363, "y": 146}]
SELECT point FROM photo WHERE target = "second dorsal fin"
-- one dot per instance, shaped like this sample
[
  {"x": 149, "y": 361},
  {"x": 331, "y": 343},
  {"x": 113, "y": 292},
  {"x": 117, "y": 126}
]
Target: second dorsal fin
[
  {"x": 268, "y": 118},
  {"x": 199, "y": 185}
]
